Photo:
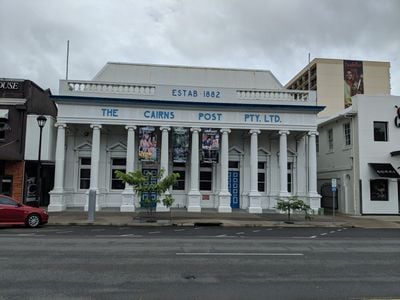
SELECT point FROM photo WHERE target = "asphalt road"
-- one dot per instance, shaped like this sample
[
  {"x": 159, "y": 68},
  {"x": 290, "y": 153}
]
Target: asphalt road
[{"x": 56, "y": 262}]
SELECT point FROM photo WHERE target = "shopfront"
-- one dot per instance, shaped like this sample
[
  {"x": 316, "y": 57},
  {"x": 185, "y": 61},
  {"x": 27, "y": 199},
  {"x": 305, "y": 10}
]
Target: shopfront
[{"x": 233, "y": 148}]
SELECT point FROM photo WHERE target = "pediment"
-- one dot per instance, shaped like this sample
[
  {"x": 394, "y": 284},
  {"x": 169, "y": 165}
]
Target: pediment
[
  {"x": 86, "y": 146},
  {"x": 117, "y": 147},
  {"x": 235, "y": 151}
]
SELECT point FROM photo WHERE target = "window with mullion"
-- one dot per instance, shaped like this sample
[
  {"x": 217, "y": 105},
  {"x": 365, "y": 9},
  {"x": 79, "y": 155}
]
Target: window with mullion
[
  {"x": 84, "y": 173},
  {"x": 117, "y": 164}
]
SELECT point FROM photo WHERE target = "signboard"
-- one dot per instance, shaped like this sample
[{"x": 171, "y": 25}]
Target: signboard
[
  {"x": 353, "y": 80},
  {"x": 147, "y": 143},
  {"x": 180, "y": 144},
  {"x": 210, "y": 145},
  {"x": 333, "y": 184}
]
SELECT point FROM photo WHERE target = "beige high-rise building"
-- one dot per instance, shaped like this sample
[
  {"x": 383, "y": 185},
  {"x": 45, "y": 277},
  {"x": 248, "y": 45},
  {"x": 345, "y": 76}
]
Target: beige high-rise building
[{"x": 337, "y": 80}]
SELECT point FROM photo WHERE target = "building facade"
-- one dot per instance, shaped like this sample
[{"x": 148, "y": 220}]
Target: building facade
[
  {"x": 359, "y": 147},
  {"x": 337, "y": 80},
  {"x": 21, "y": 101},
  {"x": 236, "y": 137}
]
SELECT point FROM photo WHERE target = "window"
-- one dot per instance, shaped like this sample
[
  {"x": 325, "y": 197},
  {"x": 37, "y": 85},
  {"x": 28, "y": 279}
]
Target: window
[
  {"x": 179, "y": 168},
  {"x": 380, "y": 132},
  {"x": 379, "y": 190},
  {"x": 3, "y": 128},
  {"x": 6, "y": 201},
  {"x": 261, "y": 176},
  {"x": 317, "y": 143},
  {"x": 120, "y": 165},
  {"x": 84, "y": 173},
  {"x": 289, "y": 176},
  {"x": 205, "y": 177},
  {"x": 330, "y": 139},
  {"x": 347, "y": 134}
]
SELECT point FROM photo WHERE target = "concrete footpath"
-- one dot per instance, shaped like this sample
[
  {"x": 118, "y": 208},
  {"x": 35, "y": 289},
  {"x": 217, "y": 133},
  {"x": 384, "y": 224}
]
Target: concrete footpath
[{"x": 210, "y": 217}]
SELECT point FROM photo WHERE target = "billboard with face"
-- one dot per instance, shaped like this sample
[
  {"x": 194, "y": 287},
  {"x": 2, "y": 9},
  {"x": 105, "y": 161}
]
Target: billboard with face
[
  {"x": 353, "y": 80},
  {"x": 147, "y": 144},
  {"x": 210, "y": 145},
  {"x": 180, "y": 144}
]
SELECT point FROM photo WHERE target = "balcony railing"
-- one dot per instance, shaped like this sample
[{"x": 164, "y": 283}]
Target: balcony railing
[
  {"x": 273, "y": 95},
  {"x": 93, "y": 87}
]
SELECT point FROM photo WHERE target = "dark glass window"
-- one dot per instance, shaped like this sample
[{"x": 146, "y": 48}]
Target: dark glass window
[
  {"x": 233, "y": 164},
  {"x": 347, "y": 134},
  {"x": 261, "y": 176},
  {"x": 289, "y": 176},
  {"x": 380, "y": 132},
  {"x": 84, "y": 173},
  {"x": 379, "y": 190},
  {"x": 120, "y": 165},
  {"x": 205, "y": 180},
  {"x": 6, "y": 201}
]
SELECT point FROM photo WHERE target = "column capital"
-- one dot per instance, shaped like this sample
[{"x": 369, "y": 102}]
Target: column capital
[
  {"x": 128, "y": 127},
  {"x": 256, "y": 131},
  {"x": 313, "y": 132},
  {"x": 284, "y": 132},
  {"x": 60, "y": 125},
  {"x": 193, "y": 129},
  {"x": 225, "y": 130},
  {"x": 163, "y": 128},
  {"x": 95, "y": 126}
]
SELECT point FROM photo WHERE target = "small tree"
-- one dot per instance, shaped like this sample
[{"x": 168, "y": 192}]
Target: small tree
[
  {"x": 293, "y": 204},
  {"x": 142, "y": 185}
]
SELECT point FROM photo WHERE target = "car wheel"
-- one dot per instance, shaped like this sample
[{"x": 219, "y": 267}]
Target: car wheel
[{"x": 32, "y": 220}]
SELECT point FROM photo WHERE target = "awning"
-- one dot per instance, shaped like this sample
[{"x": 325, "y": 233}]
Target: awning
[
  {"x": 4, "y": 114},
  {"x": 395, "y": 153},
  {"x": 385, "y": 170}
]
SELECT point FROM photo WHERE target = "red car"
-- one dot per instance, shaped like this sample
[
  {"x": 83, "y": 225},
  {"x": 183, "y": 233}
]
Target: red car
[{"x": 15, "y": 213}]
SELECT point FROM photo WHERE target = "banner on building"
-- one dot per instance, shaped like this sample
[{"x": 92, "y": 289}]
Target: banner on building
[
  {"x": 210, "y": 145},
  {"x": 147, "y": 143},
  {"x": 180, "y": 144},
  {"x": 353, "y": 80}
]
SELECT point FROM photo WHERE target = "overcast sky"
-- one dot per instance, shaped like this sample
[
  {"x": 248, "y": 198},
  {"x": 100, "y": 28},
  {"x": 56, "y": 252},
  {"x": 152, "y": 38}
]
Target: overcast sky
[{"x": 253, "y": 34}]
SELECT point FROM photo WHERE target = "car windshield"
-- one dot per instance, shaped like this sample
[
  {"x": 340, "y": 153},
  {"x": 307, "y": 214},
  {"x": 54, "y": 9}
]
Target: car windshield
[{"x": 7, "y": 201}]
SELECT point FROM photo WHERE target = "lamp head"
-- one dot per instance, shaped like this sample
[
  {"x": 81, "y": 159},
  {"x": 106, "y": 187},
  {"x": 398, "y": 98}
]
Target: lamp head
[{"x": 41, "y": 120}]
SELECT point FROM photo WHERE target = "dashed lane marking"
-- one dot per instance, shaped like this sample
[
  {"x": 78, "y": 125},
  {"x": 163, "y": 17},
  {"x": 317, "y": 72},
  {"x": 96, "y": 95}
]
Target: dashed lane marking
[
  {"x": 177, "y": 230},
  {"x": 131, "y": 235},
  {"x": 239, "y": 232},
  {"x": 154, "y": 232},
  {"x": 256, "y": 230},
  {"x": 313, "y": 237},
  {"x": 323, "y": 233}
]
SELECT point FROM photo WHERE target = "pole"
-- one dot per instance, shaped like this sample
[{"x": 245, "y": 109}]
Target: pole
[
  {"x": 39, "y": 169},
  {"x": 66, "y": 73},
  {"x": 333, "y": 204}
]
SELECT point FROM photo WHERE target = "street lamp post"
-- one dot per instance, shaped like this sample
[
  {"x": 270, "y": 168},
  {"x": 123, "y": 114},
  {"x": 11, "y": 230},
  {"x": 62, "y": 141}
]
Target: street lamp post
[{"x": 41, "y": 120}]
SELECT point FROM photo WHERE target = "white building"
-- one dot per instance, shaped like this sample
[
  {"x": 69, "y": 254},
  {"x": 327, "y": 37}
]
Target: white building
[
  {"x": 360, "y": 147},
  {"x": 264, "y": 137}
]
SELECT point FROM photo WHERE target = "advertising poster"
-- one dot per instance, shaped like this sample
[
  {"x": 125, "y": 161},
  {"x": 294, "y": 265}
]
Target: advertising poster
[
  {"x": 210, "y": 145},
  {"x": 147, "y": 144},
  {"x": 180, "y": 144},
  {"x": 353, "y": 80}
]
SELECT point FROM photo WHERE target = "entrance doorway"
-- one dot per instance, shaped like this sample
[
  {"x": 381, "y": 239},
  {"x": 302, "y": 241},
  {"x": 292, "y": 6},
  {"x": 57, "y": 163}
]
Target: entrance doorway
[{"x": 234, "y": 183}]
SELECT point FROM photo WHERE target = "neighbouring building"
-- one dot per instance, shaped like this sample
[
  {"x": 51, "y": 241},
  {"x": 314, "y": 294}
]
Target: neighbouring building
[
  {"x": 360, "y": 148},
  {"x": 337, "y": 80},
  {"x": 21, "y": 102},
  {"x": 237, "y": 138}
]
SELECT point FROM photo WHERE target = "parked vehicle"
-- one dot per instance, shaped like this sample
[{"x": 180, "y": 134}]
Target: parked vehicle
[{"x": 14, "y": 213}]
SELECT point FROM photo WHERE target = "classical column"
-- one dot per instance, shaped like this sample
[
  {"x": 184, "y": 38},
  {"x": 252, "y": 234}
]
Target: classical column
[
  {"x": 283, "y": 163},
  {"x": 194, "y": 193},
  {"x": 128, "y": 195},
  {"x": 254, "y": 195},
  {"x": 224, "y": 195},
  {"x": 164, "y": 162},
  {"x": 57, "y": 202},
  {"x": 95, "y": 162},
  {"x": 313, "y": 195}
]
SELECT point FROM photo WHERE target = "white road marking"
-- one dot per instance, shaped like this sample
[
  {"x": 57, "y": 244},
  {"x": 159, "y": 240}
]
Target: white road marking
[
  {"x": 339, "y": 230},
  {"x": 235, "y": 254},
  {"x": 130, "y": 235},
  {"x": 332, "y": 232},
  {"x": 239, "y": 232},
  {"x": 153, "y": 232},
  {"x": 101, "y": 229},
  {"x": 222, "y": 235},
  {"x": 313, "y": 237},
  {"x": 256, "y": 230},
  {"x": 177, "y": 230},
  {"x": 269, "y": 229},
  {"x": 323, "y": 233},
  {"x": 67, "y": 231}
]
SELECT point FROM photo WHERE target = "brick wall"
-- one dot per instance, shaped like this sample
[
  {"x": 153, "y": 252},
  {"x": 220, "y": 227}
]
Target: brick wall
[{"x": 16, "y": 170}]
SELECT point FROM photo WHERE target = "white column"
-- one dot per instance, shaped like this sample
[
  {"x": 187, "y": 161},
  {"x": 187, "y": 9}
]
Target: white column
[
  {"x": 254, "y": 195},
  {"x": 128, "y": 195},
  {"x": 194, "y": 193},
  {"x": 283, "y": 163},
  {"x": 57, "y": 202},
  {"x": 164, "y": 162},
  {"x": 95, "y": 162},
  {"x": 224, "y": 195},
  {"x": 313, "y": 195}
]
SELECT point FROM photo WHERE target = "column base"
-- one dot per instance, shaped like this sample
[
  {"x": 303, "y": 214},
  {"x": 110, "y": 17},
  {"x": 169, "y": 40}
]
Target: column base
[
  {"x": 224, "y": 202},
  {"x": 255, "y": 203},
  {"x": 194, "y": 201},
  {"x": 128, "y": 201},
  {"x": 57, "y": 202},
  {"x": 315, "y": 201}
]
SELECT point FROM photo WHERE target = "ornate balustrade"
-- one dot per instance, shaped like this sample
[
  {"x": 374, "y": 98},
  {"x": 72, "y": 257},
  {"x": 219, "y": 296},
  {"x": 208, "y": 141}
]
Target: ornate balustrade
[
  {"x": 273, "y": 95},
  {"x": 94, "y": 87}
]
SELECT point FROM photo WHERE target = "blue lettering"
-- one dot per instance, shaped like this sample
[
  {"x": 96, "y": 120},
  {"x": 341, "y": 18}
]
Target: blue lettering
[
  {"x": 174, "y": 92},
  {"x": 147, "y": 114},
  {"x": 109, "y": 112},
  {"x": 277, "y": 119},
  {"x": 104, "y": 111}
]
